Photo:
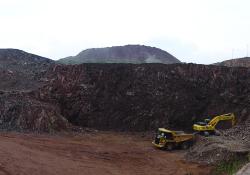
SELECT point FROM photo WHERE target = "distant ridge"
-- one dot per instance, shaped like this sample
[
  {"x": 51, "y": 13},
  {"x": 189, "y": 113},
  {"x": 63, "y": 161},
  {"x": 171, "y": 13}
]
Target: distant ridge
[
  {"x": 238, "y": 62},
  {"x": 135, "y": 54}
]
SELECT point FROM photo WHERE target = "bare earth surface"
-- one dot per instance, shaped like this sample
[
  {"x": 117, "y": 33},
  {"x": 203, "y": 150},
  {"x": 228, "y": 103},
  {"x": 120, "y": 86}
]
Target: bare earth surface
[{"x": 93, "y": 153}]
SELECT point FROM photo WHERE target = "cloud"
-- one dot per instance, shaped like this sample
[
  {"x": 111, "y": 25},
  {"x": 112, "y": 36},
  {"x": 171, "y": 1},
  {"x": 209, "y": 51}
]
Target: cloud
[{"x": 197, "y": 31}]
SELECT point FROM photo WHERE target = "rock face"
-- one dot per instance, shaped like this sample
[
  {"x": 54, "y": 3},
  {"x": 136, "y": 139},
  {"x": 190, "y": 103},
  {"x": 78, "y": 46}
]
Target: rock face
[
  {"x": 144, "y": 97},
  {"x": 240, "y": 62},
  {"x": 135, "y": 54}
]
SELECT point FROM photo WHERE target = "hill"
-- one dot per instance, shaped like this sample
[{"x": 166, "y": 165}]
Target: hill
[
  {"x": 135, "y": 54},
  {"x": 19, "y": 70},
  {"x": 238, "y": 62}
]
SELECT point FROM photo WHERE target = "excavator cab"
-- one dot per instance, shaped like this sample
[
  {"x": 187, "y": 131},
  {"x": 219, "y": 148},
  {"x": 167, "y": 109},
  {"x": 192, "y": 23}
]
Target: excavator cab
[
  {"x": 207, "y": 120},
  {"x": 204, "y": 123}
]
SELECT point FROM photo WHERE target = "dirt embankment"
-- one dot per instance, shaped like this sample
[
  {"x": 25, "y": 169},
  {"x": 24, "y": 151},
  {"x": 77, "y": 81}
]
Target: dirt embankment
[{"x": 90, "y": 154}]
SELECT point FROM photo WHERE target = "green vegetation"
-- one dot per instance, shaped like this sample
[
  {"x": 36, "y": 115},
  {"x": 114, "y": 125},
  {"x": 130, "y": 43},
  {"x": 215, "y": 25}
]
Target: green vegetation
[{"x": 232, "y": 166}]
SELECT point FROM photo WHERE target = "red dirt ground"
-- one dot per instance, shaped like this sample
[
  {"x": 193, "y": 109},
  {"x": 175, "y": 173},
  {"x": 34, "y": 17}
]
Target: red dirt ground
[{"x": 94, "y": 153}]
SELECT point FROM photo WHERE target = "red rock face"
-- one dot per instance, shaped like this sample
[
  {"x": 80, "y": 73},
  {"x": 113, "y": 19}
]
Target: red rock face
[
  {"x": 127, "y": 97},
  {"x": 144, "y": 97}
]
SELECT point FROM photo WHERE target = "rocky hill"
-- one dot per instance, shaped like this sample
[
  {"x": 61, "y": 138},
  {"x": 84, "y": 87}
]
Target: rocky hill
[
  {"x": 135, "y": 54},
  {"x": 20, "y": 70},
  {"x": 239, "y": 62}
]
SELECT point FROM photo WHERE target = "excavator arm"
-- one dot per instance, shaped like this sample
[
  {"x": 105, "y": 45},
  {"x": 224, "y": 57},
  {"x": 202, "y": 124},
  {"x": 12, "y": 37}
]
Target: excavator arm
[{"x": 216, "y": 119}]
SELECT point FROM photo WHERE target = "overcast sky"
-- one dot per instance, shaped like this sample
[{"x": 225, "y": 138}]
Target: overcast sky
[{"x": 199, "y": 31}]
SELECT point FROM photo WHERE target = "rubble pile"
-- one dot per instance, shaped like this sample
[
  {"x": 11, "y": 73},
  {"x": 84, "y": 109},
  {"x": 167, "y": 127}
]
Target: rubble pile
[
  {"x": 233, "y": 143},
  {"x": 241, "y": 132},
  {"x": 216, "y": 149},
  {"x": 21, "y": 112}
]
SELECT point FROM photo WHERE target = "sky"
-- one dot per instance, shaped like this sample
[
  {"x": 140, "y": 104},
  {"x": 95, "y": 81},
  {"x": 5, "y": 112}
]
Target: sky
[{"x": 197, "y": 31}]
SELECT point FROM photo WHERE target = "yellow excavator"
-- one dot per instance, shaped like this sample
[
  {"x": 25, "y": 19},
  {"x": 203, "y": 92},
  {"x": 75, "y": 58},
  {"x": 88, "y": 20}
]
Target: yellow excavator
[
  {"x": 167, "y": 139},
  {"x": 208, "y": 127}
]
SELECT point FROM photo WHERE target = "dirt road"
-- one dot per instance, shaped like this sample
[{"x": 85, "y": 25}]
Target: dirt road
[{"x": 101, "y": 153}]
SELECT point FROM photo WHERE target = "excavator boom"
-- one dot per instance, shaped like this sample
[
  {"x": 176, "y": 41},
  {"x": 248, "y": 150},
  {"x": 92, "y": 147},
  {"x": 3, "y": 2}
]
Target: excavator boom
[{"x": 216, "y": 119}]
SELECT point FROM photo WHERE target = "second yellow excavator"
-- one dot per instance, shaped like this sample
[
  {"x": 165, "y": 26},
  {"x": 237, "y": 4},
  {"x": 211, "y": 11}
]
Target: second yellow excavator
[{"x": 208, "y": 126}]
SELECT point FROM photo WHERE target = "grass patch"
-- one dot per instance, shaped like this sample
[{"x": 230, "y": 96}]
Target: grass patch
[{"x": 232, "y": 166}]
